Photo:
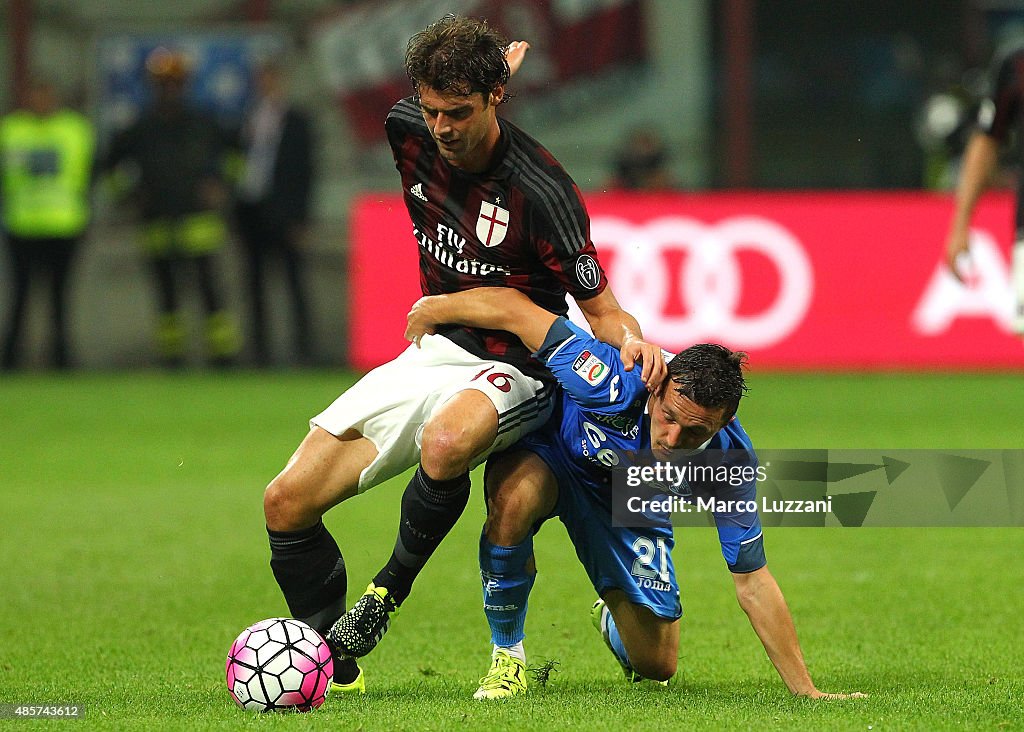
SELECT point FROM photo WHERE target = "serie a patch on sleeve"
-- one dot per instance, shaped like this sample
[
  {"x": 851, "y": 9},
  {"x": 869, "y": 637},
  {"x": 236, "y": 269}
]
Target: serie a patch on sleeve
[{"x": 590, "y": 368}]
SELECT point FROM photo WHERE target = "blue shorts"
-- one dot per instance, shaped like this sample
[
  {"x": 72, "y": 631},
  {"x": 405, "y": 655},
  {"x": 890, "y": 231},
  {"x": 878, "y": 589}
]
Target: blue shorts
[{"x": 636, "y": 561}]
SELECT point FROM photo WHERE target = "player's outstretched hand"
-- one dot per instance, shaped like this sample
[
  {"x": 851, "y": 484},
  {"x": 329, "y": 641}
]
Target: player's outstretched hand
[
  {"x": 421, "y": 320},
  {"x": 824, "y": 695},
  {"x": 514, "y": 54},
  {"x": 653, "y": 370}
]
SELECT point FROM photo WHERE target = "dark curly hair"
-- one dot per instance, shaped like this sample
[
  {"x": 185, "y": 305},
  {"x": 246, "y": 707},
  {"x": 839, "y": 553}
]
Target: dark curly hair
[
  {"x": 458, "y": 55},
  {"x": 711, "y": 375}
]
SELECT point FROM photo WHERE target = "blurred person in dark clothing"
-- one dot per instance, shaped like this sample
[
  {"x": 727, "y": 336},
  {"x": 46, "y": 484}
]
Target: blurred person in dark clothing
[
  {"x": 46, "y": 163},
  {"x": 272, "y": 206},
  {"x": 179, "y": 153},
  {"x": 639, "y": 165},
  {"x": 999, "y": 120}
]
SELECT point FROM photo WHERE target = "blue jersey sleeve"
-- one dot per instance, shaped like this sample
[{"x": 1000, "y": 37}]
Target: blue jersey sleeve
[
  {"x": 590, "y": 371},
  {"x": 742, "y": 541},
  {"x": 739, "y": 525}
]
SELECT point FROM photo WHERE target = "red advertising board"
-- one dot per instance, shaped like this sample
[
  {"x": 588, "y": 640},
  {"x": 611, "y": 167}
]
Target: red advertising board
[{"x": 799, "y": 280}]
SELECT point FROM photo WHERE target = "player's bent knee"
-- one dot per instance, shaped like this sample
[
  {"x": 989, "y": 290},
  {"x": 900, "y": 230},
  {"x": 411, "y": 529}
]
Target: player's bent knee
[
  {"x": 507, "y": 527},
  {"x": 284, "y": 507},
  {"x": 656, "y": 665},
  {"x": 446, "y": 453}
]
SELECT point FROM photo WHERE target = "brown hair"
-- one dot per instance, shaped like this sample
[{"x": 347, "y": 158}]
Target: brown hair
[
  {"x": 458, "y": 55},
  {"x": 711, "y": 375}
]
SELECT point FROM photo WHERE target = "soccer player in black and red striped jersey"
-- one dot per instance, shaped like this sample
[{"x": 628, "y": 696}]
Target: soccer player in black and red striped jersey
[
  {"x": 489, "y": 207},
  {"x": 1000, "y": 120}
]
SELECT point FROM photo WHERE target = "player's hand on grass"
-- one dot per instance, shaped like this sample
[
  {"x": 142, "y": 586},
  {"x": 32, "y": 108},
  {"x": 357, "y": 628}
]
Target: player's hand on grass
[
  {"x": 653, "y": 370},
  {"x": 514, "y": 54},
  {"x": 422, "y": 319},
  {"x": 827, "y": 696}
]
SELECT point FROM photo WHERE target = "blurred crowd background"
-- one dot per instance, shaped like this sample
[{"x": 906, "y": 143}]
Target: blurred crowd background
[{"x": 628, "y": 94}]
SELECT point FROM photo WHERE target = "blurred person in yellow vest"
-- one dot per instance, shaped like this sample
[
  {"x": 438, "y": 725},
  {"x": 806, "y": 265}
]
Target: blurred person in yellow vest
[
  {"x": 46, "y": 163},
  {"x": 178, "y": 153}
]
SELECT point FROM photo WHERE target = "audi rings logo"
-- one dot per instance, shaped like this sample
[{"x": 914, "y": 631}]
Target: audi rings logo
[{"x": 709, "y": 282}]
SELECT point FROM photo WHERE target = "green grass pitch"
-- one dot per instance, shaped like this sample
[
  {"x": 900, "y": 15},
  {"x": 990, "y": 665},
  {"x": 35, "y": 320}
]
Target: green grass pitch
[{"x": 132, "y": 551}]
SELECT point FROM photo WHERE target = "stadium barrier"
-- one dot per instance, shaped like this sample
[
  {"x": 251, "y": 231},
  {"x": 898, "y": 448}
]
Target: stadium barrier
[{"x": 799, "y": 280}]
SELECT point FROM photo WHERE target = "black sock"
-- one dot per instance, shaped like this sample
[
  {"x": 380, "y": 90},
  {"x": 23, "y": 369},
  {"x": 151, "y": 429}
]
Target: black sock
[
  {"x": 309, "y": 569},
  {"x": 430, "y": 509}
]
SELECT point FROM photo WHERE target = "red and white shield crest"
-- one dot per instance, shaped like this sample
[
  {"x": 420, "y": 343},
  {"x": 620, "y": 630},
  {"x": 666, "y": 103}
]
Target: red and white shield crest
[{"x": 491, "y": 225}]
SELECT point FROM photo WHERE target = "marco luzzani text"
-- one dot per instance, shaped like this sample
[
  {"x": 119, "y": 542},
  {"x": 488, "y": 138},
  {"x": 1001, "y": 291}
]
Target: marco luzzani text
[{"x": 676, "y": 477}]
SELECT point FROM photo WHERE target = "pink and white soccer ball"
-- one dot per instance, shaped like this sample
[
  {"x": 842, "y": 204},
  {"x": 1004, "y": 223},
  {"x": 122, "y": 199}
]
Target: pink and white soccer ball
[{"x": 279, "y": 664}]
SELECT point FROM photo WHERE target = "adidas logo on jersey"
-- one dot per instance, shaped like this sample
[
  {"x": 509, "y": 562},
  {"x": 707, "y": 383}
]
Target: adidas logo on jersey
[{"x": 417, "y": 191}]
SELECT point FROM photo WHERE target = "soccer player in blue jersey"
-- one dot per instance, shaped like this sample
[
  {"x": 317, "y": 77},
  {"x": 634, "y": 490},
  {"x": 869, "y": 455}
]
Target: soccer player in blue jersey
[{"x": 606, "y": 419}]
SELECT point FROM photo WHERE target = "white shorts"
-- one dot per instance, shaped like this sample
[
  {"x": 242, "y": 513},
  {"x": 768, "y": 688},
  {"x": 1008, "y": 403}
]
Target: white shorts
[{"x": 390, "y": 404}]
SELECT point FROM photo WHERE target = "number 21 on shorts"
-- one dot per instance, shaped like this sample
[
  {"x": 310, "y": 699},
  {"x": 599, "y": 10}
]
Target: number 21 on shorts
[{"x": 647, "y": 555}]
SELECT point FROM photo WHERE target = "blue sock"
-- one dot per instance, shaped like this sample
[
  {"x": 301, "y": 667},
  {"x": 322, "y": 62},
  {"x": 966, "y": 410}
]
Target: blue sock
[
  {"x": 506, "y": 586},
  {"x": 615, "y": 641}
]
